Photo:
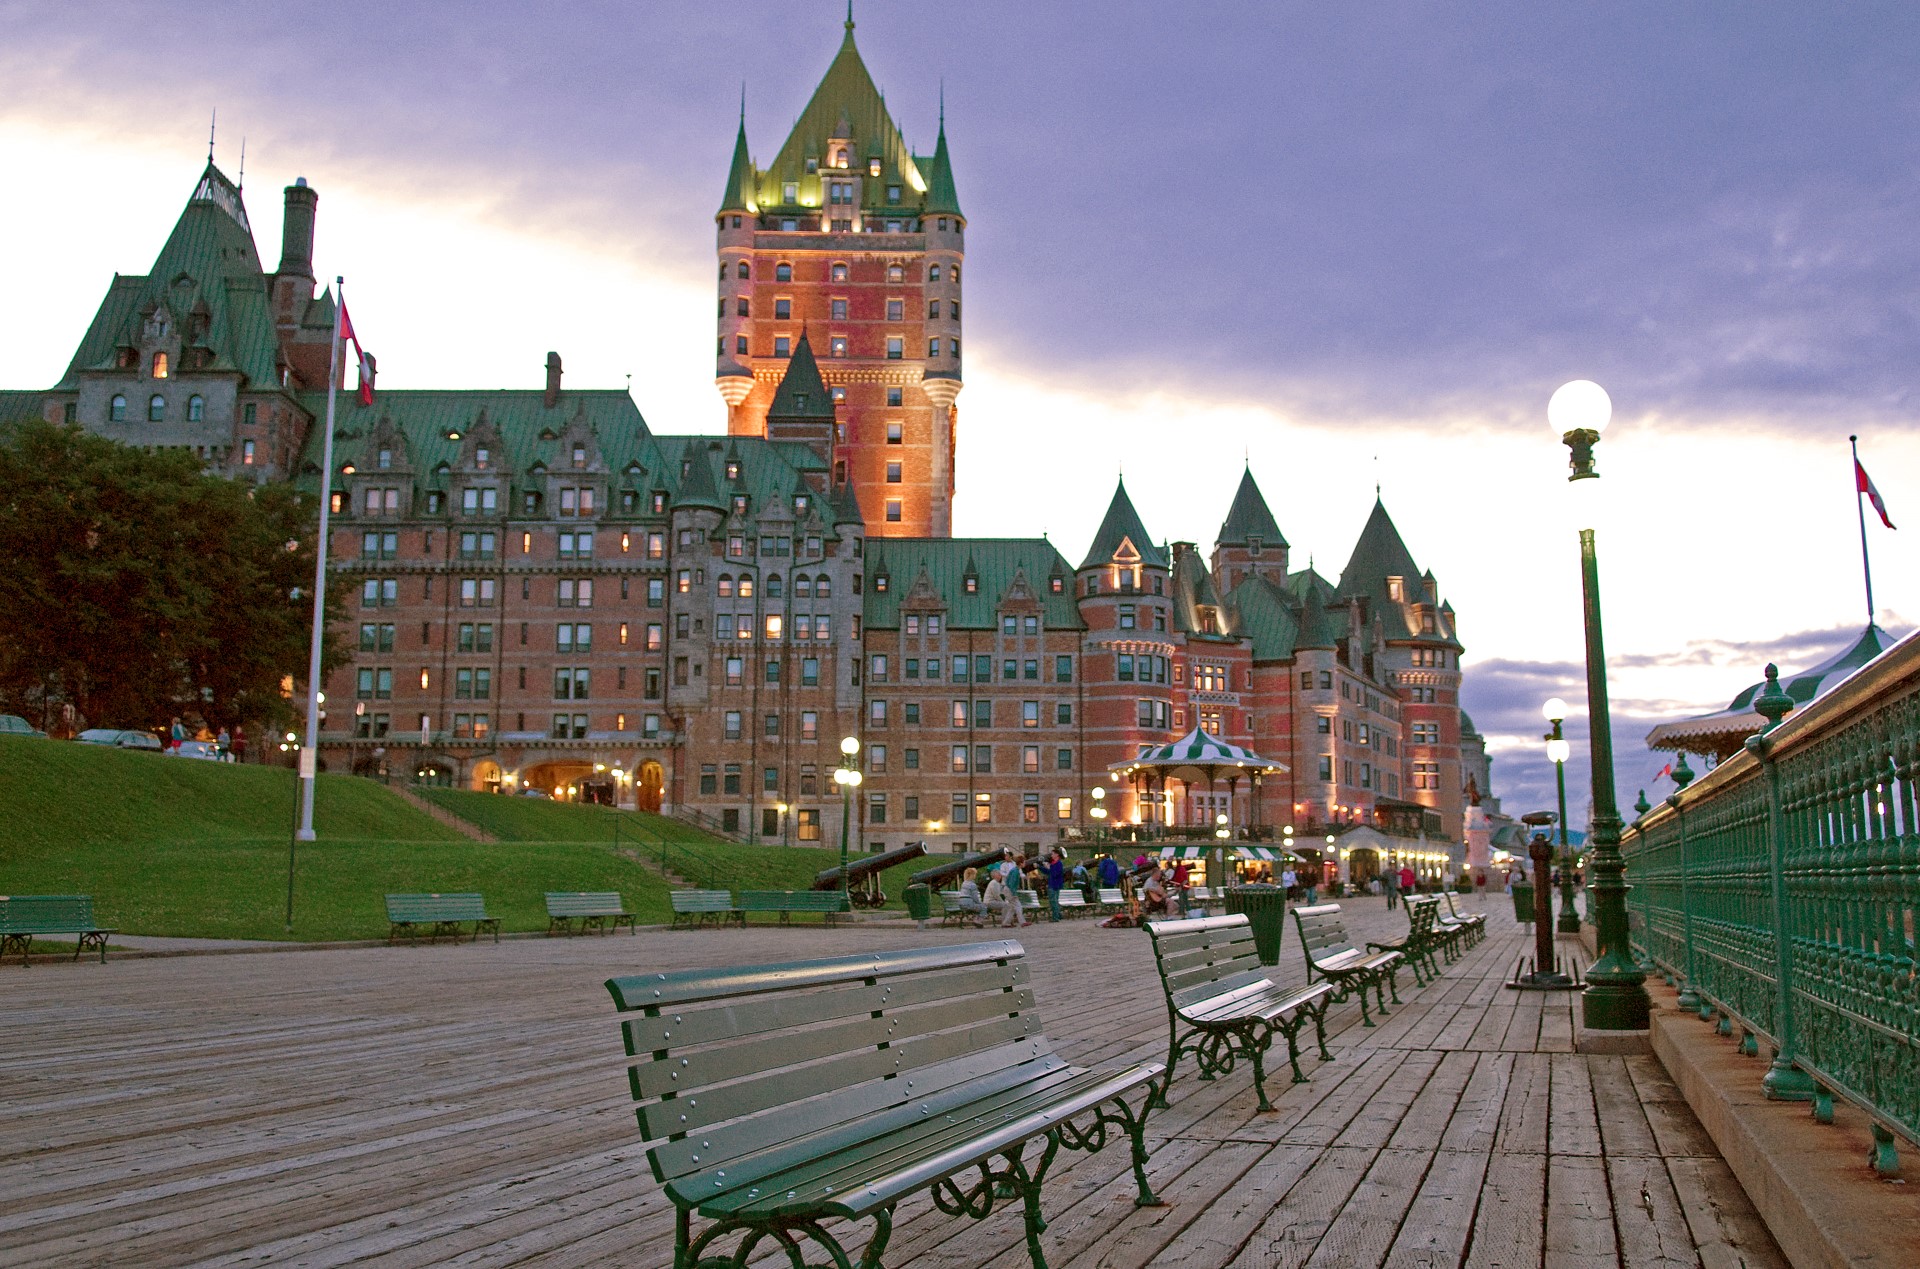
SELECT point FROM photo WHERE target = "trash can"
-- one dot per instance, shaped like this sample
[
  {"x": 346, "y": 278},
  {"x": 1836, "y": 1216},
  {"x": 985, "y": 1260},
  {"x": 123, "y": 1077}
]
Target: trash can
[
  {"x": 1523, "y": 901},
  {"x": 1266, "y": 910},
  {"x": 919, "y": 900}
]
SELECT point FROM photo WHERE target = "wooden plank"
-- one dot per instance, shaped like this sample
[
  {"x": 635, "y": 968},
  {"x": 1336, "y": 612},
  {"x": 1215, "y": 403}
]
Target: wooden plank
[
  {"x": 1727, "y": 1232},
  {"x": 1371, "y": 1218},
  {"x": 1231, "y": 1219},
  {"x": 1291, "y": 1233},
  {"x": 1523, "y": 1119},
  {"x": 1646, "y": 1211},
  {"x": 1616, "y": 1103},
  {"x": 1580, "y": 1215},
  {"x": 1572, "y": 1127},
  {"x": 1440, "y": 1220},
  {"x": 1508, "y": 1224}
]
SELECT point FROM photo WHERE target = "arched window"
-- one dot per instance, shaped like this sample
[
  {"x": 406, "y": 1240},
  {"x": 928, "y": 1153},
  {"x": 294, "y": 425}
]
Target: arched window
[
  {"x": 746, "y": 588},
  {"x": 159, "y": 365},
  {"x": 773, "y": 586},
  {"x": 156, "y": 408},
  {"x": 783, "y": 273},
  {"x": 954, "y": 273},
  {"x": 196, "y": 408},
  {"x": 839, "y": 271},
  {"x": 117, "y": 411},
  {"x": 839, "y": 158},
  {"x": 822, "y": 587},
  {"x": 744, "y": 271},
  {"x": 933, "y": 273},
  {"x": 723, "y": 270},
  {"x": 803, "y": 587},
  {"x": 895, "y": 273},
  {"x": 724, "y": 588}
]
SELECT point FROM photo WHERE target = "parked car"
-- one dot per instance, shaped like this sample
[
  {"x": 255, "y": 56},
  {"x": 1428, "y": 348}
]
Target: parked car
[
  {"x": 119, "y": 738},
  {"x": 14, "y": 725},
  {"x": 204, "y": 750}
]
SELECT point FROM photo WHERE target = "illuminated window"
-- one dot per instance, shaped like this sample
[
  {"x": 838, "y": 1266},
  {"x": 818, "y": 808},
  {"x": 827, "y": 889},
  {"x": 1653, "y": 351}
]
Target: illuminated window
[{"x": 159, "y": 365}]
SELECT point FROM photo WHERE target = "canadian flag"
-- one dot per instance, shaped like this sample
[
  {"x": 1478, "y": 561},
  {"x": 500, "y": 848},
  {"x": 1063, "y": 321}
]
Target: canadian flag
[
  {"x": 365, "y": 358},
  {"x": 1864, "y": 484}
]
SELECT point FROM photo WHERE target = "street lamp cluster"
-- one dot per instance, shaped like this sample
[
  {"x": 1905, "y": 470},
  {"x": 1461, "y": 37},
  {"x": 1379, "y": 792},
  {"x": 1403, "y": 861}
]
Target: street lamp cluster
[{"x": 848, "y": 776}]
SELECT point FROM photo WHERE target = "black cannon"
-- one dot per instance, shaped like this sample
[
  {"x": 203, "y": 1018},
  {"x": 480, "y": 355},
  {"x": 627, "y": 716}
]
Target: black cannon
[
  {"x": 863, "y": 875},
  {"x": 941, "y": 872}
]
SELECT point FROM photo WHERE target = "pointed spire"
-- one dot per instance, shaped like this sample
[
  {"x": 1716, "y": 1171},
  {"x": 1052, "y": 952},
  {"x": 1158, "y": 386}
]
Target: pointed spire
[
  {"x": 740, "y": 183},
  {"x": 213, "y": 124},
  {"x": 802, "y": 393},
  {"x": 1122, "y": 524},
  {"x": 849, "y": 19},
  {"x": 1249, "y": 517},
  {"x": 1379, "y": 554},
  {"x": 942, "y": 197},
  {"x": 696, "y": 486}
]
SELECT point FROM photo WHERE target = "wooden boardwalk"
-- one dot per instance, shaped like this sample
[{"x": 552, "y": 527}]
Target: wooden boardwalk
[{"x": 465, "y": 1105}]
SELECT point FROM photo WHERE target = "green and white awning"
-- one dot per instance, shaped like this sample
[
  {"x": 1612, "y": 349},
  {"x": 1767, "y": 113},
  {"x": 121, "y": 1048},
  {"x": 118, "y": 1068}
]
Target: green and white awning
[
  {"x": 1183, "y": 852},
  {"x": 1199, "y": 755},
  {"x": 1263, "y": 854}
]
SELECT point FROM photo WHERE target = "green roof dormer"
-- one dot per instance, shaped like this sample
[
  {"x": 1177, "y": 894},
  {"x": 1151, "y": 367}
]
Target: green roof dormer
[
  {"x": 1122, "y": 525},
  {"x": 1249, "y": 518},
  {"x": 739, "y": 195},
  {"x": 942, "y": 198},
  {"x": 802, "y": 393}
]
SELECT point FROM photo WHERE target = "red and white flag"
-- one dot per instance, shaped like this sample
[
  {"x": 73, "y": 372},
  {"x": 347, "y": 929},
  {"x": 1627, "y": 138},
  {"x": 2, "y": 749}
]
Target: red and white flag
[
  {"x": 1864, "y": 484},
  {"x": 365, "y": 358}
]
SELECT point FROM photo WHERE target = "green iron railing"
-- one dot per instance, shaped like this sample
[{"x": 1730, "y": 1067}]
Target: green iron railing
[{"x": 1814, "y": 830}]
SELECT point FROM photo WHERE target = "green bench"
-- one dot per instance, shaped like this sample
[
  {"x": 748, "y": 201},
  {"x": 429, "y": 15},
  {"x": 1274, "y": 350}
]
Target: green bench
[
  {"x": 779, "y": 1097},
  {"x": 593, "y": 909},
  {"x": 439, "y": 914},
  {"x": 1416, "y": 946},
  {"x": 704, "y": 907},
  {"x": 1331, "y": 955},
  {"x": 832, "y": 903},
  {"x": 1221, "y": 1006},
  {"x": 1073, "y": 903},
  {"x": 22, "y": 916},
  {"x": 951, "y": 910}
]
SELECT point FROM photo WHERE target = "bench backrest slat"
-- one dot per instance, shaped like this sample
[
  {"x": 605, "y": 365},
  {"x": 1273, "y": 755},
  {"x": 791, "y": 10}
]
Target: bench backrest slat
[
  {"x": 701, "y": 900},
  {"x": 1322, "y": 935},
  {"x": 436, "y": 907},
  {"x": 54, "y": 913},
  {"x": 574, "y": 903},
  {"x": 1203, "y": 951},
  {"x": 709, "y": 1084}
]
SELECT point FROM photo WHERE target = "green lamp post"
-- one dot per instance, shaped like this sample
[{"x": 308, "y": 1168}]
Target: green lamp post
[
  {"x": 1616, "y": 995},
  {"x": 1558, "y": 751},
  {"x": 847, "y": 776}
]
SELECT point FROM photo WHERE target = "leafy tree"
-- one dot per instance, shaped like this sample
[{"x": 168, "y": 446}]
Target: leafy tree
[{"x": 136, "y": 586}]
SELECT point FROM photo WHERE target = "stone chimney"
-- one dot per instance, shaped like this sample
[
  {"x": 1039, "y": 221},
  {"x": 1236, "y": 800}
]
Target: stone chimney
[
  {"x": 296, "y": 231},
  {"x": 552, "y": 397}
]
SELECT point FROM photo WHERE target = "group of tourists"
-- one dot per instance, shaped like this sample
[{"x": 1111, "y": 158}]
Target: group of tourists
[{"x": 990, "y": 893}]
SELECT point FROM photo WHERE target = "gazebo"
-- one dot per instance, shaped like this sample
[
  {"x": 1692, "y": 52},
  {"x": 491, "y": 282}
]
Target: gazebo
[
  {"x": 1200, "y": 757},
  {"x": 1723, "y": 732}
]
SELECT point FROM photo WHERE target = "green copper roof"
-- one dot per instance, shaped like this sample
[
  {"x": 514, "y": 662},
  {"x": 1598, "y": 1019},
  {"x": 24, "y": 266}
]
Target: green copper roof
[
  {"x": 19, "y": 406},
  {"x": 1193, "y": 590},
  {"x": 939, "y": 567},
  {"x": 1318, "y": 627},
  {"x": 739, "y": 174},
  {"x": 698, "y": 487},
  {"x": 942, "y": 198},
  {"x": 846, "y": 105},
  {"x": 1381, "y": 554},
  {"x": 209, "y": 271},
  {"x": 1268, "y": 617},
  {"x": 802, "y": 393},
  {"x": 1122, "y": 523},
  {"x": 1249, "y": 517}
]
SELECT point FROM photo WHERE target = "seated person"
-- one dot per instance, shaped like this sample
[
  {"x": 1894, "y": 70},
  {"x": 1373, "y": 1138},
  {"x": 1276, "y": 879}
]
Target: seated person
[
  {"x": 969, "y": 900},
  {"x": 1154, "y": 895}
]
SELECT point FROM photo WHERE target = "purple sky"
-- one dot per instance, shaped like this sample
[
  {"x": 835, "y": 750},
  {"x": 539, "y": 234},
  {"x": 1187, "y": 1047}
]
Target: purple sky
[{"x": 1366, "y": 212}]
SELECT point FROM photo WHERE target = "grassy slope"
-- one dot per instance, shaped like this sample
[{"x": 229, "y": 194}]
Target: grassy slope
[
  {"x": 700, "y": 858},
  {"x": 169, "y": 846}
]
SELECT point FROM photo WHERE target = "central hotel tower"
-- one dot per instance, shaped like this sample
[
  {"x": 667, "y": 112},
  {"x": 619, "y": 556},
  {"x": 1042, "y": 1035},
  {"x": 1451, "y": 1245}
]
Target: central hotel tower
[{"x": 848, "y": 246}]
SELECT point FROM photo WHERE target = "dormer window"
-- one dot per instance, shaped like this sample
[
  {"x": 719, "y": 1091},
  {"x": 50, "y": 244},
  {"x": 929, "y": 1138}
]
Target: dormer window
[
  {"x": 813, "y": 165},
  {"x": 733, "y": 465},
  {"x": 384, "y": 459},
  {"x": 579, "y": 456},
  {"x": 659, "y": 503},
  {"x": 893, "y": 191},
  {"x": 873, "y": 168},
  {"x": 482, "y": 456},
  {"x": 740, "y": 504},
  {"x": 880, "y": 583},
  {"x": 1056, "y": 585},
  {"x": 1254, "y": 545},
  {"x": 840, "y": 158},
  {"x": 1397, "y": 589},
  {"x": 686, "y": 468},
  {"x": 790, "y": 193},
  {"x": 159, "y": 365},
  {"x": 971, "y": 584}
]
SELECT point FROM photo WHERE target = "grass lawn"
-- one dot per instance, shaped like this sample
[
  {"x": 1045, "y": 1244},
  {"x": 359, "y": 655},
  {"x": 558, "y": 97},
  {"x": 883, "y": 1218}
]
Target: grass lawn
[{"x": 175, "y": 847}]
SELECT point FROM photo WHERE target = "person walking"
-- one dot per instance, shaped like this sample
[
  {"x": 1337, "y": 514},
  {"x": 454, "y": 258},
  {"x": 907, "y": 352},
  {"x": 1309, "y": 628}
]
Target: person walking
[
  {"x": 1390, "y": 882},
  {"x": 1409, "y": 883},
  {"x": 1109, "y": 872},
  {"x": 1288, "y": 879},
  {"x": 1056, "y": 882}
]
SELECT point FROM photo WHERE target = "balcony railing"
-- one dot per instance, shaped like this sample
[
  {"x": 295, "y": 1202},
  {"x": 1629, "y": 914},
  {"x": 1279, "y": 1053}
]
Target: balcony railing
[{"x": 1812, "y": 832}]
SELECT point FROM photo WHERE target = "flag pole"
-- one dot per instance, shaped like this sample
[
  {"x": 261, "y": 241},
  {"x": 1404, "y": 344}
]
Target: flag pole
[
  {"x": 309, "y": 755},
  {"x": 1860, "y": 506}
]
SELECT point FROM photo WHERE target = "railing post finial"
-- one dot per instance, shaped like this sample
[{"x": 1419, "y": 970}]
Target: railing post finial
[{"x": 1773, "y": 704}]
